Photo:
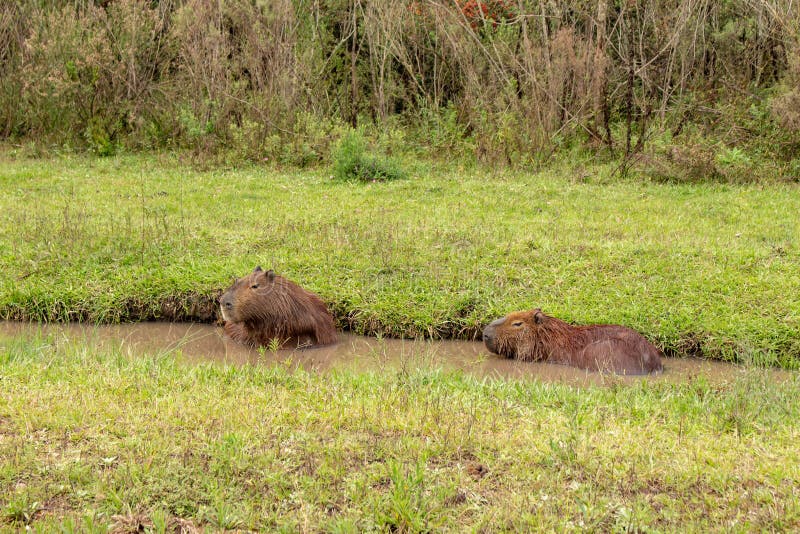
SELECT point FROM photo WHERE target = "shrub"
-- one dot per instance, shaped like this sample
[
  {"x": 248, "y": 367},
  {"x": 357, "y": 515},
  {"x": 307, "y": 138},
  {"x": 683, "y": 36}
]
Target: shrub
[{"x": 352, "y": 162}]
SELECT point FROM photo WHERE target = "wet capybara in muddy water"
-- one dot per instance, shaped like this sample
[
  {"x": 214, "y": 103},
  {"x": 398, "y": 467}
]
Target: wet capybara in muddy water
[
  {"x": 262, "y": 307},
  {"x": 534, "y": 336}
]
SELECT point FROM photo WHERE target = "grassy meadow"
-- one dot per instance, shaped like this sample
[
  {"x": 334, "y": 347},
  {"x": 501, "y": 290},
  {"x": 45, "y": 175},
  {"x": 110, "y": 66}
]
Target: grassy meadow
[
  {"x": 707, "y": 269},
  {"x": 92, "y": 441}
]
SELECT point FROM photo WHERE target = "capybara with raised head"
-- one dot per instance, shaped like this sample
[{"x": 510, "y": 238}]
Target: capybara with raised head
[
  {"x": 262, "y": 307},
  {"x": 533, "y": 336}
]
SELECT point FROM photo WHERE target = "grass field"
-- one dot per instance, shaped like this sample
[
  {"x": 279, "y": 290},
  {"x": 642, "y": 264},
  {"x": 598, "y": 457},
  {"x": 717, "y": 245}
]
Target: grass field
[
  {"x": 92, "y": 441},
  {"x": 97, "y": 439},
  {"x": 711, "y": 269}
]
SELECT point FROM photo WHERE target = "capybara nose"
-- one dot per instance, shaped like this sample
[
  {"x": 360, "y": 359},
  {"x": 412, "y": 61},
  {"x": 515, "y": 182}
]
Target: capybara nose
[
  {"x": 227, "y": 304},
  {"x": 488, "y": 336}
]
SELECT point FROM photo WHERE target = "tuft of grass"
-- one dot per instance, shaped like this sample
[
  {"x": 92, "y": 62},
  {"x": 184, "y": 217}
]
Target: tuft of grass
[
  {"x": 351, "y": 161},
  {"x": 20, "y": 509},
  {"x": 96, "y": 440}
]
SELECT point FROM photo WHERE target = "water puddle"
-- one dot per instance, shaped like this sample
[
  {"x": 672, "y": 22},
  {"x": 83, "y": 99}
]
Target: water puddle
[{"x": 202, "y": 343}]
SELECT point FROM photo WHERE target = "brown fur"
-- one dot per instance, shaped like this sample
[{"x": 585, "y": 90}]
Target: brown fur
[
  {"x": 534, "y": 336},
  {"x": 263, "y": 306}
]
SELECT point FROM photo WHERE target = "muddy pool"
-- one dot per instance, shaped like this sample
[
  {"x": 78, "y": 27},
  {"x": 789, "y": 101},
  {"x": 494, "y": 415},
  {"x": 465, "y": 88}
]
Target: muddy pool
[{"x": 202, "y": 343}]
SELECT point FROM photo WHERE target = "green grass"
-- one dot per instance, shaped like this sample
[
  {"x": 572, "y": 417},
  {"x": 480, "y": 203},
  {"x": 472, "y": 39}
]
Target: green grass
[
  {"x": 697, "y": 268},
  {"x": 96, "y": 440}
]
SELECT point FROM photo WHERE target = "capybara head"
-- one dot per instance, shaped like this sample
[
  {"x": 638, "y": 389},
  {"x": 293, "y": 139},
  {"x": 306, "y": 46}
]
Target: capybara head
[
  {"x": 515, "y": 335},
  {"x": 248, "y": 296}
]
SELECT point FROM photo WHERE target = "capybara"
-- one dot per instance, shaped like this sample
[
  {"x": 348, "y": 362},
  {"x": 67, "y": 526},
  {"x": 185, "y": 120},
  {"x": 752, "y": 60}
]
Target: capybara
[
  {"x": 262, "y": 307},
  {"x": 533, "y": 336}
]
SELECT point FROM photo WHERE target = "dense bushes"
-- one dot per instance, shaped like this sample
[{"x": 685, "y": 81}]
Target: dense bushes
[{"x": 508, "y": 82}]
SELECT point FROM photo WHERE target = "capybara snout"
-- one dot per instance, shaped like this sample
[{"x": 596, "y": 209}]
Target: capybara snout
[
  {"x": 534, "y": 336},
  {"x": 490, "y": 334},
  {"x": 226, "y": 305}
]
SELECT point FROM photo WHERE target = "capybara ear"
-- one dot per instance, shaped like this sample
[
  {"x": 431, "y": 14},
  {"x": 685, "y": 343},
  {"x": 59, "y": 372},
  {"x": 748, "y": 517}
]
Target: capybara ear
[
  {"x": 538, "y": 316},
  {"x": 270, "y": 275},
  {"x": 258, "y": 269}
]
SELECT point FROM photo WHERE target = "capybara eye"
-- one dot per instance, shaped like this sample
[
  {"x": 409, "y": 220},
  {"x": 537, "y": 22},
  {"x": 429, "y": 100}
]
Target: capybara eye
[
  {"x": 516, "y": 323},
  {"x": 254, "y": 286}
]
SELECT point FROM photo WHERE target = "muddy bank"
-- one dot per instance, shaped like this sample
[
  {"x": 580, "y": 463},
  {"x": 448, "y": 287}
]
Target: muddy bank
[{"x": 202, "y": 342}]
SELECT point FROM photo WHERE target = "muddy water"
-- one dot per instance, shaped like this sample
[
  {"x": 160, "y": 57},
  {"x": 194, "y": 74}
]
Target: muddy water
[{"x": 201, "y": 343}]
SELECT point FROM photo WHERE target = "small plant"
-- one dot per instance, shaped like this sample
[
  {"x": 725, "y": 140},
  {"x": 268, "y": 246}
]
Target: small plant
[
  {"x": 734, "y": 165},
  {"x": 404, "y": 507},
  {"x": 192, "y": 126},
  {"x": 730, "y": 157},
  {"x": 160, "y": 520},
  {"x": 21, "y": 509},
  {"x": 99, "y": 139},
  {"x": 223, "y": 515},
  {"x": 352, "y": 162},
  {"x": 274, "y": 345}
]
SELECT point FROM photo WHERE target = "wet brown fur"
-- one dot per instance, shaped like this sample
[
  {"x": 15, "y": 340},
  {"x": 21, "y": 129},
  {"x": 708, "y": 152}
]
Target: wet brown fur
[
  {"x": 262, "y": 306},
  {"x": 534, "y": 336}
]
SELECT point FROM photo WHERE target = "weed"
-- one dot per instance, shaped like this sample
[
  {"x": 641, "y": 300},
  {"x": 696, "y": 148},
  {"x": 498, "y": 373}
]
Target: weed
[
  {"x": 21, "y": 508},
  {"x": 404, "y": 508},
  {"x": 274, "y": 345}
]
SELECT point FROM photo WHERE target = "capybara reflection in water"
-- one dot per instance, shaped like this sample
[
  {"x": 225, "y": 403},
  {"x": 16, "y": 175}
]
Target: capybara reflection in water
[
  {"x": 533, "y": 336},
  {"x": 262, "y": 307}
]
